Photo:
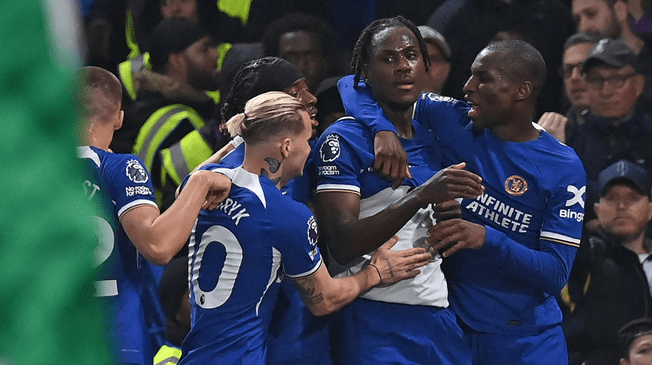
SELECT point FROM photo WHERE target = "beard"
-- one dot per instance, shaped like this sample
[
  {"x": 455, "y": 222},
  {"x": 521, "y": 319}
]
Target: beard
[
  {"x": 202, "y": 80},
  {"x": 615, "y": 29}
]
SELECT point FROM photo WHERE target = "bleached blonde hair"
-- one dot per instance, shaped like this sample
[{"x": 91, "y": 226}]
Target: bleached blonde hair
[{"x": 266, "y": 115}]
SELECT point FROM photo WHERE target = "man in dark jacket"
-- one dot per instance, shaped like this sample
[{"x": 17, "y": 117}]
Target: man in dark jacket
[
  {"x": 609, "y": 284},
  {"x": 171, "y": 126}
]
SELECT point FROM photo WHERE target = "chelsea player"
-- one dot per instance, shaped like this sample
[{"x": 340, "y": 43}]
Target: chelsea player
[
  {"x": 131, "y": 233},
  {"x": 514, "y": 246},
  {"x": 408, "y": 322},
  {"x": 238, "y": 250}
]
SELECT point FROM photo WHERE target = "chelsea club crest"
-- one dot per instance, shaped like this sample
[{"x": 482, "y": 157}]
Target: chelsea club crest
[{"x": 515, "y": 185}]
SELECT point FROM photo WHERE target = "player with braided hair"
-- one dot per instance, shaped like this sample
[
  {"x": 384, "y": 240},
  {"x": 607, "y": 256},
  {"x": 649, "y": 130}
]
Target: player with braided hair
[
  {"x": 408, "y": 322},
  {"x": 361, "y": 55}
]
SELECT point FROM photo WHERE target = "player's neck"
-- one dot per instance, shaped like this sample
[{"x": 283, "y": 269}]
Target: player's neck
[
  {"x": 264, "y": 164},
  {"x": 402, "y": 119}
]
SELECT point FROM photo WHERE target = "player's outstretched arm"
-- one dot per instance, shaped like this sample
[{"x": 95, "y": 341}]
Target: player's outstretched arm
[
  {"x": 158, "y": 237},
  {"x": 323, "y": 294},
  {"x": 349, "y": 237}
]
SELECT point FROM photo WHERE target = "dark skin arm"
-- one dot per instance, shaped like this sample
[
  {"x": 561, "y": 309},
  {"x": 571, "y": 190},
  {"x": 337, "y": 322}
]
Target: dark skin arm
[
  {"x": 349, "y": 237},
  {"x": 391, "y": 158}
]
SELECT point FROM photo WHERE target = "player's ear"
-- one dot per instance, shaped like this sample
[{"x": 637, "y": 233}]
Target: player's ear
[
  {"x": 285, "y": 147},
  {"x": 524, "y": 91},
  {"x": 364, "y": 70},
  {"x": 621, "y": 10},
  {"x": 118, "y": 122}
]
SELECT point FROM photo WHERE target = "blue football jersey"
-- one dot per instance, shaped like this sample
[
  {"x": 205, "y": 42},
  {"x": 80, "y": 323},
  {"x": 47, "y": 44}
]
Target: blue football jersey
[
  {"x": 344, "y": 161},
  {"x": 237, "y": 252},
  {"x": 534, "y": 198},
  {"x": 299, "y": 189},
  {"x": 295, "y": 333},
  {"x": 123, "y": 184},
  {"x": 532, "y": 208}
]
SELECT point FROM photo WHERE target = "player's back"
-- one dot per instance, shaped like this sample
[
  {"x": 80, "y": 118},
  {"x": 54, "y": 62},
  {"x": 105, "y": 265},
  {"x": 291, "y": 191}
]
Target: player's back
[
  {"x": 235, "y": 254},
  {"x": 122, "y": 271}
]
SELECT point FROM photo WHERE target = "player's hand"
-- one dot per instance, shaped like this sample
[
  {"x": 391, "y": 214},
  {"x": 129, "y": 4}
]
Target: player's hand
[
  {"x": 218, "y": 184},
  {"x": 555, "y": 124},
  {"x": 390, "y": 158},
  {"x": 449, "y": 236},
  {"x": 396, "y": 265},
  {"x": 450, "y": 183},
  {"x": 447, "y": 210}
]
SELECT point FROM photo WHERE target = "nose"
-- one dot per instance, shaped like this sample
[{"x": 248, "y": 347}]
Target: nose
[
  {"x": 403, "y": 65},
  {"x": 586, "y": 26},
  {"x": 468, "y": 86}
]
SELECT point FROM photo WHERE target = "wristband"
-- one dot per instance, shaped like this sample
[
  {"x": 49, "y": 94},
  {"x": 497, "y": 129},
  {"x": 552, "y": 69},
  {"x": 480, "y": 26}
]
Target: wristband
[{"x": 378, "y": 271}]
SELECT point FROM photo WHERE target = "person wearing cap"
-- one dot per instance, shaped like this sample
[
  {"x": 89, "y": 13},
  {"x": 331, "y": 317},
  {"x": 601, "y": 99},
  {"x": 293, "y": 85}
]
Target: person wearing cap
[
  {"x": 635, "y": 339},
  {"x": 610, "y": 280},
  {"x": 611, "y": 19},
  {"x": 172, "y": 125},
  {"x": 619, "y": 122},
  {"x": 439, "y": 52}
]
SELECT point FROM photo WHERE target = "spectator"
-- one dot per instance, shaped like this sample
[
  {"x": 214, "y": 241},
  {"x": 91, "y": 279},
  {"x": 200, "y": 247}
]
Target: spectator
[
  {"x": 220, "y": 26},
  {"x": 619, "y": 124},
  {"x": 439, "y": 53},
  {"x": 636, "y": 340},
  {"x": 305, "y": 41},
  {"x": 172, "y": 125},
  {"x": 609, "y": 283},
  {"x": 243, "y": 251},
  {"x": 576, "y": 50},
  {"x": 610, "y": 19}
]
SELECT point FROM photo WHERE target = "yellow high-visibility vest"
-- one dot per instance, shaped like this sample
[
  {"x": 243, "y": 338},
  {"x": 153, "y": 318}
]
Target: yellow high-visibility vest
[
  {"x": 167, "y": 355},
  {"x": 182, "y": 157}
]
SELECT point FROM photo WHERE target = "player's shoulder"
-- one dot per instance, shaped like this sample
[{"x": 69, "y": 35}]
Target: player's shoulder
[
  {"x": 441, "y": 107},
  {"x": 433, "y": 100},
  {"x": 348, "y": 126},
  {"x": 346, "y": 130},
  {"x": 558, "y": 151}
]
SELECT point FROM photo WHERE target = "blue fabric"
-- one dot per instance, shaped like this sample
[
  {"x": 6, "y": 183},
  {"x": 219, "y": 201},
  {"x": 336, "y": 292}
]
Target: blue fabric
[
  {"x": 532, "y": 209},
  {"x": 377, "y": 333},
  {"x": 127, "y": 184},
  {"x": 236, "y": 253}
]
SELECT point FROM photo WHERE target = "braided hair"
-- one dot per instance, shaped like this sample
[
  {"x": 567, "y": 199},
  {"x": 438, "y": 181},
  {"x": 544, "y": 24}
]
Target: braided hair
[
  {"x": 361, "y": 50},
  {"x": 256, "y": 77}
]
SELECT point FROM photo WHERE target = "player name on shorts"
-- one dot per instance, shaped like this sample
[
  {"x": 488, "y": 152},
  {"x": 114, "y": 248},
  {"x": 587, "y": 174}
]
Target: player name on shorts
[
  {"x": 500, "y": 213},
  {"x": 233, "y": 209}
]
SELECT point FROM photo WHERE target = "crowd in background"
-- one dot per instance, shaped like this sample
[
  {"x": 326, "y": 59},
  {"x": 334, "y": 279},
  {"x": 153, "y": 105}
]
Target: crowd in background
[{"x": 188, "y": 66}]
